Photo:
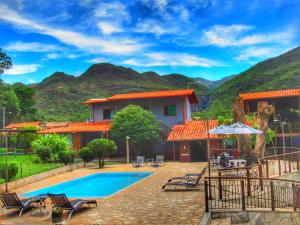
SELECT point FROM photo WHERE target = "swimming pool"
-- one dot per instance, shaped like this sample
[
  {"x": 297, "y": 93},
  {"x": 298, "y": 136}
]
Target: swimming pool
[{"x": 93, "y": 186}]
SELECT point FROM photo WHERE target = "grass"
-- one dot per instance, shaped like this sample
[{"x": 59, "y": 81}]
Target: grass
[{"x": 29, "y": 166}]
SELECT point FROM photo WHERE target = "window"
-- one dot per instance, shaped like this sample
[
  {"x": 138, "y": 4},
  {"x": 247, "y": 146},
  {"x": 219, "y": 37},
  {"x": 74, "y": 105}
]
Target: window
[
  {"x": 108, "y": 114},
  {"x": 170, "y": 110}
]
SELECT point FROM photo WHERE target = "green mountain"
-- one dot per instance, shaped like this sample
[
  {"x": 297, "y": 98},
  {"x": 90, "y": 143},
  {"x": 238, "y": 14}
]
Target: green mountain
[
  {"x": 282, "y": 72},
  {"x": 59, "y": 96},
  {"x": 212, "y": 84}
]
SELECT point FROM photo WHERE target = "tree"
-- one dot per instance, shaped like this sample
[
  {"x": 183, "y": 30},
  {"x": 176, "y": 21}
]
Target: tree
[
  {"x": 5, "y": 61},
  {"x": 239, "y": 115},
  {"x": 10, "y": 101},
  {"x": 26, "y": 97},
  {"x": 139, "y": 124},
  {"x": 101, "y": 148},
  {"x": 264, "y": 111},
  {"x": 48, "y": 146},
  {"x": 86, "y": 154}
]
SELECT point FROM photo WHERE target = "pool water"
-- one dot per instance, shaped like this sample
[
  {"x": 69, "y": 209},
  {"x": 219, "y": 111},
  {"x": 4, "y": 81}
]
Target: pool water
[{"x": 93, "y": 186}]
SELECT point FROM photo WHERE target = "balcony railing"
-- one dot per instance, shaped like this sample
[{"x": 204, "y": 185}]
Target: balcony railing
[
  {"x": 290, "y": 127},
  {"x": 251, "y": 186},
  {"x": 231, "y": 193}
]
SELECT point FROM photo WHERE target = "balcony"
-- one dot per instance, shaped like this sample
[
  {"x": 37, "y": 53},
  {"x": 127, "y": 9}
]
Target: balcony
[{"x": 289, "y": 128}]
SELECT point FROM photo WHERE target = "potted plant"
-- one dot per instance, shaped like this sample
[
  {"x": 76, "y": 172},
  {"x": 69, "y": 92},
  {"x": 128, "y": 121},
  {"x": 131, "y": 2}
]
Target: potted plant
[{"x": 57, "y": 216}]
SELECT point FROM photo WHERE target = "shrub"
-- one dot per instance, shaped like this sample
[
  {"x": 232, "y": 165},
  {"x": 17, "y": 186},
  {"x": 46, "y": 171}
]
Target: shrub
[
  {"x": 66, "y": 156},
  {"x": 12, "y": 170},
  {"x": 86, "y": 154},
  {"x": 102, "y": 147},
  {"x": 44, "y": 153},
  {"x": 54, "y": 143}
]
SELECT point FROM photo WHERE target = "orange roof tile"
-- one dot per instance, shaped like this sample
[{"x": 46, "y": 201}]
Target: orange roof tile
[
  {"x": 192, "y": 130},
  {"x": 80, "y": 127},
  {"x": 23, "y": 124},
  {"x": 271, "y": 94},
  {"x": 153, "y": 94}
]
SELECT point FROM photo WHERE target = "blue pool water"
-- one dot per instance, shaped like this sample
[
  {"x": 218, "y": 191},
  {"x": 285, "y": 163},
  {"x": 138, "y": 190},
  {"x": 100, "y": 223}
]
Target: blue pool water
[{"x": 93, "y": 186}]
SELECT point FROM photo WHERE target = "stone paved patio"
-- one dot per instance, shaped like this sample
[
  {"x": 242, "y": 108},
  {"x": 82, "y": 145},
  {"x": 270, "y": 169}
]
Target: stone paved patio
[{"x": 141, "y": 203}]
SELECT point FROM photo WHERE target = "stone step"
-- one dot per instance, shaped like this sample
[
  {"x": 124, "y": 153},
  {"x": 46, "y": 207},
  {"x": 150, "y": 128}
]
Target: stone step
[{"x": 221, "y": 221}]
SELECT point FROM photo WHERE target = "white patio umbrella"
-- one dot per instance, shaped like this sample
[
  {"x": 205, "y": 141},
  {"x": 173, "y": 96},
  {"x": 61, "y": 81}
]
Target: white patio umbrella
[
  {"x": 236, "y": 128},
  {"x": 240, "y": 128},
  {"x": 223, "y": 129}
]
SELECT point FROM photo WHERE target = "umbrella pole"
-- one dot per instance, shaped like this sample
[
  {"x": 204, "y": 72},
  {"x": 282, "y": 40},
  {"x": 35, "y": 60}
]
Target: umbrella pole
[{"x": 208, "y": 155}]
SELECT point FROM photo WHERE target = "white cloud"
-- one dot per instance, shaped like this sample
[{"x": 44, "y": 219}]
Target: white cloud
[
  {"x": 51, "y": 56},
  {"x": 171, "y": 59},
  {"x": 236, "y": 35},
  {"x": 79, "y": 40},
  {"x": 152, "y": 26},
  {"x": 259, "y": 53},
  {"x": 72, "y": 56},
  {"x": 20, "y": 46},
  {"x": 109, "y": 28},
  {"x": 160, "y": 5},
  {"x": 32, "y": 81},
  {"x": 22, "y": 69},
  {"x": 96, "y": 60},
  {"x": 182, "y": 12},
  {"x": 114, "y": 10}
]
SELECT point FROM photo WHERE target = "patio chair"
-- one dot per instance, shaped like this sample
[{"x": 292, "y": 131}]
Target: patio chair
[
  {"x": 159, "y": 161},
  {"x": 60, "y": 201},
  {"x": 189, "y": 181},
  {"x": 140, "y": 160},
  {"x": 12, "y": 201}
]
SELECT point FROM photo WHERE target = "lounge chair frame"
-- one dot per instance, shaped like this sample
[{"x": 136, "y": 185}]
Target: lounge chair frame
[
  {"x": 60, "y": 201},
  {"x": 9, "y": 198},
  {"x": 190, "y": 181}
]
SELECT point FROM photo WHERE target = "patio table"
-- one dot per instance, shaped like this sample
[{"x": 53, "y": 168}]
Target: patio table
[
  {"x": 237, "y": 162},
  {"x": 39, "y": 201}
]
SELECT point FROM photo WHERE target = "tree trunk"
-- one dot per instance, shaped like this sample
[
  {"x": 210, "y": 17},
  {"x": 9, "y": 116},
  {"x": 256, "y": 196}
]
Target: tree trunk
[
  {"x": 264, "y": 111},
  {"x": 239, "y": 116},
  {"x": 99, "y": 162}
]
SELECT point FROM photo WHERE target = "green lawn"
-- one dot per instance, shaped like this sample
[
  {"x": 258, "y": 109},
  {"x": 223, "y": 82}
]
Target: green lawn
[{"x": 29, "y": 167}]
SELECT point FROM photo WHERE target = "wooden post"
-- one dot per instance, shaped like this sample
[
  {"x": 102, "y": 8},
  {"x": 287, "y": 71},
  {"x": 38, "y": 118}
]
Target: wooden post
[
  {"x": 248, "y": 183},
  {"x": 267, "y": 168},
  {"x": 298, "y": 162},
  {"x": 220, "y": 184},
  {"x": 260, "y": 175},
  {"x": 272, "y": 196},
  {"x": 127, "y": 149},
  {"x": 290, "y": 168},
  {"x": 243, "y": 195},
  {"x": 206, "y": 196},
  {"x": 294, "y": 200},
  {"x": 279, "y": 166}
]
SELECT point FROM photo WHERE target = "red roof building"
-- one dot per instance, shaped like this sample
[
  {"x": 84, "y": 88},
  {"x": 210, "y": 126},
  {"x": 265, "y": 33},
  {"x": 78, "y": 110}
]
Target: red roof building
[{"x": 148, "y": 95}]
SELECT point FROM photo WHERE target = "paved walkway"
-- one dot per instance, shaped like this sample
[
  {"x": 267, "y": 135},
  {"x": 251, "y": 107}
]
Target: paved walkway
[{"x": 141, "y": 203}]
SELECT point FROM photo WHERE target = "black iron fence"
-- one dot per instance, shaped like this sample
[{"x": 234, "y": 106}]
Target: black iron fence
[
  {"x": 231, "y": 193},
  {"x": 281, "y": 164}
]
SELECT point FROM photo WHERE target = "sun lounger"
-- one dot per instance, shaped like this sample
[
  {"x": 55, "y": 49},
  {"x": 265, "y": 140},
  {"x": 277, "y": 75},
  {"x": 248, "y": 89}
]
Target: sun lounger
[
  {"x": 60, "y": 201},
  {"x": 12, "y": 201},
  {"x": 159, "y": 161},
  {"x": 189, "y": 181},
  {"x": 140, "y": 160}
]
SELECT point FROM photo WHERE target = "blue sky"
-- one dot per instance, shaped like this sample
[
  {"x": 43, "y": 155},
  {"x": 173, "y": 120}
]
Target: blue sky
[{"x": 198, "y": 38}]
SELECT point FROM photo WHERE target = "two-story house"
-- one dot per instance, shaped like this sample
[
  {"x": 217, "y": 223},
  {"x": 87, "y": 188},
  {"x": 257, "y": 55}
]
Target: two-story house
[{"x": 171, "y": 107}]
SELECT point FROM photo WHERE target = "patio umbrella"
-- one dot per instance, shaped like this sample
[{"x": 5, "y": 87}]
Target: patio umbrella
[
  {"x": 236, "y": 128},
  {"x": 223, "y": 129},
  {"x": 240, "y": 128}
]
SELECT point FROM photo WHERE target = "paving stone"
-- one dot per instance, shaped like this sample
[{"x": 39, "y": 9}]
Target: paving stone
[{"x": 141, "y": 203}]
